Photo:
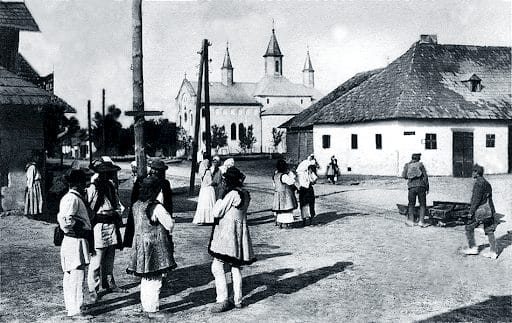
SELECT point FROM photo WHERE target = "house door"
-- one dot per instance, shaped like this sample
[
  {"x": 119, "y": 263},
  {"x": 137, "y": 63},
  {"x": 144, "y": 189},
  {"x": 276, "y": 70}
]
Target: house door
[{"x": 462, "y": 154}]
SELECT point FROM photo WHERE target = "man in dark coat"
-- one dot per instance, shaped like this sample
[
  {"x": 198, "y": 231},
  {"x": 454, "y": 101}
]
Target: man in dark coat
[
  {"x": 418, "y": 186},
  {"x": 482, "y": 212}
]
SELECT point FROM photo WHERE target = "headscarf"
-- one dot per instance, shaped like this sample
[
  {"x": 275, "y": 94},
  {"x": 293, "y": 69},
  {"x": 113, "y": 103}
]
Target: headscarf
[{"x": 230, "y": 162}]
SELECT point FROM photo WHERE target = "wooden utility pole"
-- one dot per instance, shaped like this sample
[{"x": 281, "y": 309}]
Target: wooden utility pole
[
  {"x": 208, "y": 133},
  {"x": 103, "y": 128},
  {"x": 197, "y": 120},
  {"x": 138, "y": 87},
  {"x": 89, "y": 130}
]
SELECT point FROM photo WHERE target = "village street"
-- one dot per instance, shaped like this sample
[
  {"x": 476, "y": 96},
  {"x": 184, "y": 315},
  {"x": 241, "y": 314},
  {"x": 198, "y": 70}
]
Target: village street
[{"x": 358, "y": 262}]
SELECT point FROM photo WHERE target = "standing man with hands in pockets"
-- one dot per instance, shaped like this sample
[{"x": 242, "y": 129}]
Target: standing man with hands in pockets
[{"x": 417, "y": 184}]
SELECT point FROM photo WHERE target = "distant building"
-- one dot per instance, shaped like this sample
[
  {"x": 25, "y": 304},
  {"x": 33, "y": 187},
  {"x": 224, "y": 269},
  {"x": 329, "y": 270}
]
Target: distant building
[
  {"x": 23, "y": 105},
  {"x": 237, "y": 105},
  {"x": 451, "y": 103}
]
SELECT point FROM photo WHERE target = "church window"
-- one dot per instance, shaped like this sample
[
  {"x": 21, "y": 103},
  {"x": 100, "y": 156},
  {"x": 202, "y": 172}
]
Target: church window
[
  {"x": 378, "y": 141},
  {"x": 185, "y": 116},
  {"x": 301, "y": 101},
  {"x": 241, "y": 131},
  {"x": 233, "y": 131},
  {"x": 430, "y": 141},
  {"x": 277, "y": 66},
  {"x": 191, "y": 119},
  {"x": 268, "y": 100},
  {"x": 354, "y": 141},
  {"x": 490, "y": 140},
  {"x": 203, "y": 112},
  {"x": 326, "y": 141},
  {"x": 180, "y": 121}
]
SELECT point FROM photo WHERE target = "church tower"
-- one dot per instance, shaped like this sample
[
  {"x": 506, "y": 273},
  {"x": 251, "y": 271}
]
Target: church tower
[
  {"x": 227, "y": 69},
  {"x": 273, "y": 57},
  {"x": 308, "y": 73}
]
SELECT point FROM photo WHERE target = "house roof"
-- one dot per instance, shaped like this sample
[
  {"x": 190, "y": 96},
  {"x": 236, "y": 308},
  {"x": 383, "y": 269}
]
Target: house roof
[
  {"x": 282, "y": 108},
  {"x": 278, "y": 85},
  {"x": 307, "y": 117},
  {"x": 16, "y": 15},
  {"x": 428, "y": 82},
  {"x": 15, "y": 91},
  {"x": 25, "y": 70}
]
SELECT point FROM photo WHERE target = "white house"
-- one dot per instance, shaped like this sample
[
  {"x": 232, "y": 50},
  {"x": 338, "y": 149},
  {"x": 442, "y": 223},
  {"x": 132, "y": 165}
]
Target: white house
[
  {"x": 264, "y": 105},
  {"x": 451, "y": 103}
]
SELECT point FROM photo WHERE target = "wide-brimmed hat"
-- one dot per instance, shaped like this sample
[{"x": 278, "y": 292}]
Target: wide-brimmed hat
[
  {"x": 158, "y": 165},
  {"x": 233, "y": 174},
  {"x": 104, "y": 167},
  {"x": 76, "y": 176}
]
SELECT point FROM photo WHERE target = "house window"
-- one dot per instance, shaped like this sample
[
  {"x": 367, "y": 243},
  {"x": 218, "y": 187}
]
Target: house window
[
  {"x": 354, "y": 141},
  {"x": 326, "y": 141},
  {"x": 277, "y": 66},
  {"x": 409, "y": 133},
  {"x": 490, "y": 140},
  {"x": 378, "y": 141},
  {"x": 233, "y": 131},
  {"x": 430, "y": 141},
  {"x": 241, "y": 131}
]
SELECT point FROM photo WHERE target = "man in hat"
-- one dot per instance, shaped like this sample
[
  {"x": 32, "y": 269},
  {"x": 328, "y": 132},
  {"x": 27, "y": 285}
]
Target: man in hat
[
  {"x": 104, "y": 201},
  {"x": 417, "y": 184},
  {"x": 75, "y": 221},
  {"x": 482, "y": 212}
]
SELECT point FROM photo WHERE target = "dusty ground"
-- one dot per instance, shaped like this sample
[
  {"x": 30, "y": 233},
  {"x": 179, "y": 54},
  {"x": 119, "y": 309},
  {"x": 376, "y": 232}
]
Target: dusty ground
[{"x": 359, "y": 262}]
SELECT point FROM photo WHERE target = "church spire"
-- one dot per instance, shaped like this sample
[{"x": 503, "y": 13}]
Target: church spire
[
  {"x": 273, "y": 57},
  {"x": 227, "y": 69},
  {"x": 308, "y": 73}
]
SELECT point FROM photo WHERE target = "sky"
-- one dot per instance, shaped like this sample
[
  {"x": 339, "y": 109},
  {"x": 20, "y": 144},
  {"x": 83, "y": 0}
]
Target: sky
[{"x": 87, "y": 43}]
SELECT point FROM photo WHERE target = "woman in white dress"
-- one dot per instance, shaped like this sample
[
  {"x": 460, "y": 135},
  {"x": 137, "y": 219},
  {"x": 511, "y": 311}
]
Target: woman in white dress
[{"x": 206, "y": 199}]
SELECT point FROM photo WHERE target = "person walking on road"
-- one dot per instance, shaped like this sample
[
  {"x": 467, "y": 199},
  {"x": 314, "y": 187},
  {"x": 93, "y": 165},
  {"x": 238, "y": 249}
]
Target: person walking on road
[
  {"x": 307, "y": 177},
  {"x": 153, "y": 253},
  {"x": 332, "y": 170},
  {"x": 482, "y": 211},
  {"x": 230, "y": 243},
  {"x": 418, "y": 186},
  {"x": 75, "y": 221},
  {"x": 33, "y": 191}
]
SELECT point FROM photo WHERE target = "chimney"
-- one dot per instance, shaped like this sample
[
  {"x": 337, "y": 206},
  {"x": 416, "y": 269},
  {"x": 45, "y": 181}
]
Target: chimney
[{"x": 428, "y": 39}]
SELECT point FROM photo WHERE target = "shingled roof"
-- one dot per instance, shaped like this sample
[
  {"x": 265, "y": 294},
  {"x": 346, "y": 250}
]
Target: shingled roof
[
  {"x": 282, "y": 108},
  {"x": 25, "y": 70},
  {"x": 238, "y": 93},
  {"x": 16, "y": 15},
  {"x": 307, "y": 117},
  {"x": 427, "y": 82},
  {"x": 15, "y": 91},
  {"x": 272, "y": 85}
]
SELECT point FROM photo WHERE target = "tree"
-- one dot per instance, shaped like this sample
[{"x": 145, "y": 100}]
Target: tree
[
  {"x": 219, "y": 137},
  {"x": 184, "y": 141},
  {"x": 112, "y": 131},
  {"x": 247, "y": 138},
  {"x": 277, "y": 137}
]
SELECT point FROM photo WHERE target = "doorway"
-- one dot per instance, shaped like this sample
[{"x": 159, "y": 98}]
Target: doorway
[{"x": 462, "y": 154}]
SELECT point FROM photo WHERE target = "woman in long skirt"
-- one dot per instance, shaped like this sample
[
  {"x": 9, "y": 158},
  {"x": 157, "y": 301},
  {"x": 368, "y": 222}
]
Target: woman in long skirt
[
  {"x": 34, "y": 195},
  {"x": 206, "y": 199},
  {"x": 284, "y": 196}
]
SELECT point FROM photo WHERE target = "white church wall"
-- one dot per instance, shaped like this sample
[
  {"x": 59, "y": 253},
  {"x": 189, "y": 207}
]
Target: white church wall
[{"x": 397, "y": 147}]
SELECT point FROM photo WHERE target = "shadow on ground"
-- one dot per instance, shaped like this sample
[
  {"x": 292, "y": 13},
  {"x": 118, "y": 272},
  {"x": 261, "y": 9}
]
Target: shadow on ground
[
  {"x": 178, "y": 281},
  {"x": 327, "y": 217},
  {"x": 495, "y": 309}
]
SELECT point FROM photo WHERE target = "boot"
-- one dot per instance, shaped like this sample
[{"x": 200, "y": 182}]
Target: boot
[
  {"x": 493, "y": 251},
  {"x": 472, "y": 248}
]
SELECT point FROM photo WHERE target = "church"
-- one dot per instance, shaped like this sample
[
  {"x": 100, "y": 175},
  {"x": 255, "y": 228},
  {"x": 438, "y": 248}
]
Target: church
[{"x": 264, "y": 105}]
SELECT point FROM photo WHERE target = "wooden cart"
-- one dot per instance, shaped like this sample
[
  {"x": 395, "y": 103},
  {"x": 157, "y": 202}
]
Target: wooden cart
[{"x": 442, "y": 213}]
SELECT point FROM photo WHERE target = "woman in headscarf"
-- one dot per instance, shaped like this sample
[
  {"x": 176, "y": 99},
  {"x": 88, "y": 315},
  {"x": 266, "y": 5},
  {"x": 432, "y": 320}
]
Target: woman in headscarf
[
  {"x": 306, "y": 174},
  {"x": 153, "y": 252},
  {"x": 284, "y": 196},
  {"x": 33, "y": 193},
  {"x": 230, "y": 243},
  {"x": 206, "y": 199}
]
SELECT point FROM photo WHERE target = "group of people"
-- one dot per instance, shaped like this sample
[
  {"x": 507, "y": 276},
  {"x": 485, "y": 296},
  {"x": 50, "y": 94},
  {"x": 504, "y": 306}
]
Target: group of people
[
  {"x": 481, "y": 211},
  {"x": 90, "y": 218},
  {"x": 286, "y": 182}
]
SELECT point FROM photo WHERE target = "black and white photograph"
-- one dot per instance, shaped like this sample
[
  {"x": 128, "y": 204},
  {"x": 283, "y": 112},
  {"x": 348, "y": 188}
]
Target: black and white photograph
[{"x": 255, "y": 161}]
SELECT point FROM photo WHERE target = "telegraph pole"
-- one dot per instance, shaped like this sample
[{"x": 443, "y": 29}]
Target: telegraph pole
[
  {"x": 208, "y": 139},
  {"x": 103, "y": 128},
  {"x": 89, "y": 132},
  {"x": 138, "y": 87},
  {"x": 197, "y": 120}
]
